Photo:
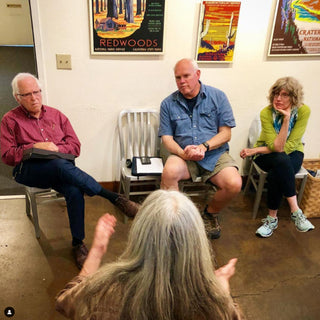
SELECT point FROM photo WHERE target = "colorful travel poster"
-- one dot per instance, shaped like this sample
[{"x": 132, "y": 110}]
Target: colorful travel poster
[
  {"x": 126, "y": 26},
  {"x": 217, "y": 32},
  {"x": 296, "y": 28}
]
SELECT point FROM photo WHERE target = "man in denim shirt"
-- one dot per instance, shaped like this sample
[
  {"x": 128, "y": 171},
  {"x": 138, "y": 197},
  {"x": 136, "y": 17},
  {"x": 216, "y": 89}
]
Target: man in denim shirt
[{"x": 195, "y": 127}]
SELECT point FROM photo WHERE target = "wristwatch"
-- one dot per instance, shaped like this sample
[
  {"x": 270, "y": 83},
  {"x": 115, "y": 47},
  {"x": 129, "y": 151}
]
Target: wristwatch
[{"x": 206, "y": 145}]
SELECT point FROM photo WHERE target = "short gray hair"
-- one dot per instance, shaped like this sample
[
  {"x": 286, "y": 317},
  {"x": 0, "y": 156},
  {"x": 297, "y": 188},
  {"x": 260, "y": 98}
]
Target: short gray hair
[
  {"x": 293, "y": 88},
  {"x": 192, "y": 61},
  {"x": 20, "y": 76}
]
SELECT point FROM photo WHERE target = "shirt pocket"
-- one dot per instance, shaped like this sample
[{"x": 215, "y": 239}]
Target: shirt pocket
[
  {"x": 208, "y": 120},
  {"x": 181, "y": 124}
]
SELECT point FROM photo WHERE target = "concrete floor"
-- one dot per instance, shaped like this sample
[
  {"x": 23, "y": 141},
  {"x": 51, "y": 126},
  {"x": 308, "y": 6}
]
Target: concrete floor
[{"x": 276, "y": 278}]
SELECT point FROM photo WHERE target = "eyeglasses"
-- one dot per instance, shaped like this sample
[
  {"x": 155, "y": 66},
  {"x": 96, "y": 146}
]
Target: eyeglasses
[
  {"x": 282, "y": 95},
  {"x": 29, "y": 94}
]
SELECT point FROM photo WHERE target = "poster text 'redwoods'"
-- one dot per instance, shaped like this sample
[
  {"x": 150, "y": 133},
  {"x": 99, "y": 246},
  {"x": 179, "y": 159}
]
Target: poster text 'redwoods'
[{"x": 142, "y": 43}]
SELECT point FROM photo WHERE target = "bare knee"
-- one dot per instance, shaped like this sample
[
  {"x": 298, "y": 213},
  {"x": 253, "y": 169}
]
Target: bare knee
[
  {"x": 174, "y": 170},
  {"x": 234, "y": 184},
  {"x": 228, "y": 180}
]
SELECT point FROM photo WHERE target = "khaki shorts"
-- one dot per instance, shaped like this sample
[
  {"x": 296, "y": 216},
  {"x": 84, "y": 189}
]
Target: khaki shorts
[{"x": 196, "y": 170}]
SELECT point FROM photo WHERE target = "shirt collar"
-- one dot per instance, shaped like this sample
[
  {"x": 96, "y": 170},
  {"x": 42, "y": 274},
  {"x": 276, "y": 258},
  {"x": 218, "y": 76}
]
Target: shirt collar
[
  {"x": 26, "y": 112},
  {"x": 202, "y": 93}
]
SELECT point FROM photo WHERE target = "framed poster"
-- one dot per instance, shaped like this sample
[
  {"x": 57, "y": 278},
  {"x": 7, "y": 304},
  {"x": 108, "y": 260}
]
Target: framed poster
[
  {"x": 296, "y": 28},
  {"x": 126, "y": 26},
  {"x": 217, "y": 31}
]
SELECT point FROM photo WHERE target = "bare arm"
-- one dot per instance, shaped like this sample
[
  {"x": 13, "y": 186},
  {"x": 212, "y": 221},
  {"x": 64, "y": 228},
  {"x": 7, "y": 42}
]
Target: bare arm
[
  {"x": 247, "y": 152},
  {"x": 224, "y": 273},
  {"x": 172, "y": 146},
  {"x": 103, "y": 232},
  {"x": 223, "y": 136},
  {"x": 197, "y": 152},
  {"x": 65, "y": 300}
]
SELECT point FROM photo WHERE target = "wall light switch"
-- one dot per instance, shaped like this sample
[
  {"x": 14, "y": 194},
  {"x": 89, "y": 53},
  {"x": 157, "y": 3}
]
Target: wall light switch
[{"x": 63, "y": 61}]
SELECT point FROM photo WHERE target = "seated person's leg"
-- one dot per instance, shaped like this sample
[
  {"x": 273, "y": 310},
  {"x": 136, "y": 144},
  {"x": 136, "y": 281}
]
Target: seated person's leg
[
  {"x": 228, "y": 181},
  {"x": 175, "y": 169},
  {"x": 48, "y": 173},
  {"x": 75, "y": 206},
  {"x": 229, "y": 184},
  {"x": 226, "y": 178}
]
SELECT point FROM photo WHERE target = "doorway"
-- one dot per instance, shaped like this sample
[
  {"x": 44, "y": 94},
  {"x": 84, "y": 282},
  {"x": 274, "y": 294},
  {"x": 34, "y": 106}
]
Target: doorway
[{"x": 17, "y": 54}]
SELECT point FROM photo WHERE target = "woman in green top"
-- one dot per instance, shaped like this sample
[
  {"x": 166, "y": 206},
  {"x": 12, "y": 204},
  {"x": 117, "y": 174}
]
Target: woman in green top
[{"x": 279, "y": 151}]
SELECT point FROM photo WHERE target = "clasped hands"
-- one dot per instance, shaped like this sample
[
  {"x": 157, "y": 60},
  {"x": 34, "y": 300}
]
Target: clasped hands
[
  {"x": 194, "y": 152},
  {"x": 46, "y": 146}
]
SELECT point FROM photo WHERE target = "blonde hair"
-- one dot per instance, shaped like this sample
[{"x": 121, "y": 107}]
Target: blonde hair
[
  {"x": 166, "y": 271},
  {"x": 293, "y": 88}
]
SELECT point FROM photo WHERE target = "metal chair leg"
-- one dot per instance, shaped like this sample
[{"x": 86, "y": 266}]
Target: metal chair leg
[
  {"x": 262, "y": 178},
  {"x": 28, "y": 204},
  {"x": 33, "y": 206},
  {"x": 246, "y": 188},
  {"x": 302, "y": 187}
]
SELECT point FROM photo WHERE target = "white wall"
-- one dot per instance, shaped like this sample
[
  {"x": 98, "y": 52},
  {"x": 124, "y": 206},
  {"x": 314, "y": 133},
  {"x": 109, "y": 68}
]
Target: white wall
[
  {"x": 97, "y": 88},
  {"x": 15, "y": 23}
]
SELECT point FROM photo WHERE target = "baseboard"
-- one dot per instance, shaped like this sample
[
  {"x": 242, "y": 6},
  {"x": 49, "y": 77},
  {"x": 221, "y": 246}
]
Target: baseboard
[
  {"x": 110, "y": 185},
  {"x": 114, "y": 185}
]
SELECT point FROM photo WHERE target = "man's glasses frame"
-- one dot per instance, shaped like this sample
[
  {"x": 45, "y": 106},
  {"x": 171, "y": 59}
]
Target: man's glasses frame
[{"x": 29, "y": 94}]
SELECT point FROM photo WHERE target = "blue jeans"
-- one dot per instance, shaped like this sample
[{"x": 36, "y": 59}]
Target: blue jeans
[
  {"x": 281, "y": 168},
  {"x": 63, "y": 176}
]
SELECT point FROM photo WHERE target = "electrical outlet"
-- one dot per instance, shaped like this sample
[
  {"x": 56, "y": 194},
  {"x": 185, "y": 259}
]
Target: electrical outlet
[{"x": 63, "y": 61}]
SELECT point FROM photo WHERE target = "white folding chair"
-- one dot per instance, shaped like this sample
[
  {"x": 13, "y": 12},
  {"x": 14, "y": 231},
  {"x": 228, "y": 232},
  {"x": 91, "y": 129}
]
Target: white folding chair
[
  {"x": 138, "y": 135},
  {"x": 257, "y": 176}
]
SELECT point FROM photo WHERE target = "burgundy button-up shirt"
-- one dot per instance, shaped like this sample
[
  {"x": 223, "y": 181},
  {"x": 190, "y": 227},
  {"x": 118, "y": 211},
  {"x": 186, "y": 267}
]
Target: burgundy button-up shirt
[{"x": 19, "y": 131}]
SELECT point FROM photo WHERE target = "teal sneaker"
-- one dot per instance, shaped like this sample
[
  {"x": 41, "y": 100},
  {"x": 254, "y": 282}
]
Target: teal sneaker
[
  {"x": 269, "y": 224},
  {"x": 301, "y": 222}
]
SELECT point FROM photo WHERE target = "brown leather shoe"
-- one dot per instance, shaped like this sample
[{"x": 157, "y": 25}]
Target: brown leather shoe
[
  {"x": 80, "y": 253},
  {"x": 129, "y": 208}
]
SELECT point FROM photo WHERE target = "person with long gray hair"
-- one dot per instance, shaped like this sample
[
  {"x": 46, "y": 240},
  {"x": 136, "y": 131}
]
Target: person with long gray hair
[
  {"x": 166, "y": 271},
  {"x": 279, "y": 151}
]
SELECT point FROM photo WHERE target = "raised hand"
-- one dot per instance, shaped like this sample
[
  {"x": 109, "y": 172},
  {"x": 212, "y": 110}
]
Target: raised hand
[
  {"x": 103, "y": 232},
  {"x": 224, "y": 273}
]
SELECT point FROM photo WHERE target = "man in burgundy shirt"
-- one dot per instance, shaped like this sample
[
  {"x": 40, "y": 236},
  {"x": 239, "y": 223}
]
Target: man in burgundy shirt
[{"x": 34, "y": 125}]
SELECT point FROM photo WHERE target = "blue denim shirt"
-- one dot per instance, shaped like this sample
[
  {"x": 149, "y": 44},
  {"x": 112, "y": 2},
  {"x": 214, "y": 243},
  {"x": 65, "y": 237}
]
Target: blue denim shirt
[{"x": 211, "y": 111}]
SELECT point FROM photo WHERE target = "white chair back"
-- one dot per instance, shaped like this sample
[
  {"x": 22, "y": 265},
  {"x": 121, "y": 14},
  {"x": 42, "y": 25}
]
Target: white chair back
[
  {"x": 254, "y": 131},
  {"x": 138, "y": 132}
]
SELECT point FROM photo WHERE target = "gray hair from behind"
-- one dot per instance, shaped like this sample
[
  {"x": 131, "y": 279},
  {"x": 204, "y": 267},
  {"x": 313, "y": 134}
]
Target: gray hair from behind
[
  {"x": 20, "y": 76},
  {"x": 166, "y": 269},
  {"x": 293, "y": 88}
]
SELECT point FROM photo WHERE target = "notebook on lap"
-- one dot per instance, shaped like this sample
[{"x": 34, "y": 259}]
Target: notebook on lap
[{"x": 35, "y": 153}]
